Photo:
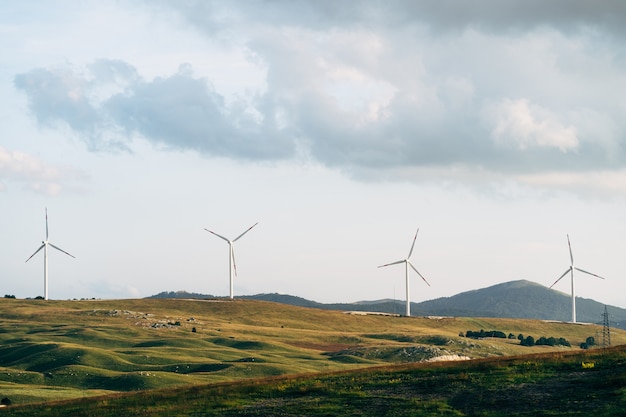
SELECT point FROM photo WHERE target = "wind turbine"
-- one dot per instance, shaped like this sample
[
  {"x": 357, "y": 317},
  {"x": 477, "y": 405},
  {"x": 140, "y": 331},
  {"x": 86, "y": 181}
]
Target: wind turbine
[
  {"x": 232, "y": 265},
  {"x": 570, "y": 270},
  {"x": 408, "y": 263},
  {"x": 44, "y": 246}
]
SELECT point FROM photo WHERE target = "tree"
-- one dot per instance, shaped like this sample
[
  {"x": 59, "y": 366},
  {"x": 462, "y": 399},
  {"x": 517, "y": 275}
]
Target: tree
[
  {"x": 563, "y": 342},
  {"x": 590, "y": 341},
  {"x": 529, "y": 341}
]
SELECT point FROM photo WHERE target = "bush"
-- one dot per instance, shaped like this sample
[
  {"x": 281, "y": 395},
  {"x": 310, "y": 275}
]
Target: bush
[
  {"x": 529, "y": 341},
  {"x": 9, "y": 296}
]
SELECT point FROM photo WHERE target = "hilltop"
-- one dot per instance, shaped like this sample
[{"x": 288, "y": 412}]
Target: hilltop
[{"x": 515, "y": 299}]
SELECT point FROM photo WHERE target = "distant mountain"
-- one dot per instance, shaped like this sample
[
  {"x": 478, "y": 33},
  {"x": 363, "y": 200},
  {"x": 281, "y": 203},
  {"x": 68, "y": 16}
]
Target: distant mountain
[
  {"x": 180, "y": 294},
  {"x": 515, "y": 299},
  {"x": 520, "y": 299}
]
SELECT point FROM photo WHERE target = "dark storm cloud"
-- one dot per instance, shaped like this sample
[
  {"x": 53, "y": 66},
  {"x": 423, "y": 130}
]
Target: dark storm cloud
[{"x": 444, "y": 15}]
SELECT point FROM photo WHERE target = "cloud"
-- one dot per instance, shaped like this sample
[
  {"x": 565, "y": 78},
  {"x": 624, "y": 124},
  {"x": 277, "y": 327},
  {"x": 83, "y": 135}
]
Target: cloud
[
  {"x": 35, "y": 175},
  {"x": 502, "y": 16},
  {"x": 63, "y": 96},
  {"x": 518, "y": 124},
  {"x": 600, "y": 184},
  {"x": 498, "y": 88},
  {"x": 185, "y": 112},
  {"x": 110, "y": 102}
]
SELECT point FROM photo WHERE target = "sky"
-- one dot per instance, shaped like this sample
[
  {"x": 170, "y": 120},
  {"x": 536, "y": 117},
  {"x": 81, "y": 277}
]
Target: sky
[{"x": 496, "y": 127}]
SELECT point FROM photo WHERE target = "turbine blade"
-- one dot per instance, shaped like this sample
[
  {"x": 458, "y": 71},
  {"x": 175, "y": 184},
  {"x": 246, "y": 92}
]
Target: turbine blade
[
  {"x": 57, "y": 248},
  {"x": 418, "y": 273},
  {"x": 220, "y": 236},
  {"x": 587, "y": 272},
  {"x": 393, "y": 263},
  {"x": 249, "y": 228},
  {"x": 564, "y": 273},
  {"x": 413, "y": 244},
  {"x": 46, "y": 223},
  {"x": 232, "y": 253},
  {"x": 571, "y": 257},
  {"x": 40, "y": 248}
]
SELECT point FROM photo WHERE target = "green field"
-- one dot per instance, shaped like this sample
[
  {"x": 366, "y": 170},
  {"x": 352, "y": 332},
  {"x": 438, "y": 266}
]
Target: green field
[{"x": 155, "y": 356}]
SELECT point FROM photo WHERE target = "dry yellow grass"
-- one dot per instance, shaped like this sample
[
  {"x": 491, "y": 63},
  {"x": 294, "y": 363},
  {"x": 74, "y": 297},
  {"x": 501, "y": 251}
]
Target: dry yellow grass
[{"x": 61, "y": 349}]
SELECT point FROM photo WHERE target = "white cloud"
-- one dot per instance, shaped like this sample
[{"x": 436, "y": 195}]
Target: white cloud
[
  {"x": 600, "y": 184},
  {"x": 518, "y": 123},
  {"x": 36, "y": 175}
]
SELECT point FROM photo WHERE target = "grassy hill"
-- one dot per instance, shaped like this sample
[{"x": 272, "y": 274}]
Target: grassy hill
[
  {"x": 59, "y": 350},
  {"x": 556, "y": 384}
]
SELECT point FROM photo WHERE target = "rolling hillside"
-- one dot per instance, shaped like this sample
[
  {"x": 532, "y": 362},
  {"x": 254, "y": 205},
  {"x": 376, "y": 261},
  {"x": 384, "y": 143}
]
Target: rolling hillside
[
  {"x": 515, "y": 299},
  {"x": 51, "y": 350},
  {"x": 589, "y": 383}
]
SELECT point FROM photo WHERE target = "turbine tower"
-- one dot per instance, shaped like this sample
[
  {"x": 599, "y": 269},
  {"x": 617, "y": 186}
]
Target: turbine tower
[
  {"x": 44, "y": 246},
  {"x": 570, "y": 270},
  {"x": 408, "y": 263},
  {"x": 232, "y": 265}
]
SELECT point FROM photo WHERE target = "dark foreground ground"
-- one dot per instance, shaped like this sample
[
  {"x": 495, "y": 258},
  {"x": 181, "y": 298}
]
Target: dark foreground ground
[{"x": 581, "y": 383}]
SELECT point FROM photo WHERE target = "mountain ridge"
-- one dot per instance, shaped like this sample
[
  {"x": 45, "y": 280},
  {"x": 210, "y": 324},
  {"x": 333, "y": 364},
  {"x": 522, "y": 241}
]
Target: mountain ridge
[{"x": 514, "y": 299}]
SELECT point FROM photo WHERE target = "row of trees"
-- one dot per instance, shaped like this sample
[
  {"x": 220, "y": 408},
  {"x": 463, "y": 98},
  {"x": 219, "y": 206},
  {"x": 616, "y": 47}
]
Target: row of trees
[
  {"x": 542, "y": 341},
  {"x": 482, "y": 334},
  {"x": 524, "y": 341}
]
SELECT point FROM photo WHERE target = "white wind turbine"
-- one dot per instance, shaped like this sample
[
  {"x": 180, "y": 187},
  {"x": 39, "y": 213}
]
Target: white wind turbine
[
  {"x": 44, "y": 246},
  {"x": 570, "y": 270},
  {"x": 408, "y": 263},
  {"x": 232, "y": 265}
]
